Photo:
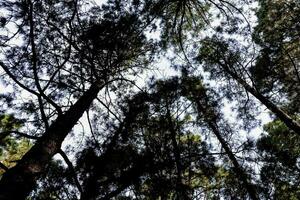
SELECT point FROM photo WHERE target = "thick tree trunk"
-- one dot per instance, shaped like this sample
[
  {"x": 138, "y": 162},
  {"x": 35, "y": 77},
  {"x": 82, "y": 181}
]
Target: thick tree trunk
[
  {"x": 238, "y": 170},
  {"x": 285, "y": 118},
  {"x": 19, "y": 181}
]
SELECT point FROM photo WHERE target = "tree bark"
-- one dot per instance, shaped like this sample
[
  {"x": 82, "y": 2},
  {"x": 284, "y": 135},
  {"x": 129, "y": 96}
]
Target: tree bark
[{"x": 19, "y": 181}]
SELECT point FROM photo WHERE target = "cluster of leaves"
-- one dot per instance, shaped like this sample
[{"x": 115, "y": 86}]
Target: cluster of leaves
[
  {"x": 280, "y": 155},
  {"x": 11, "y": 149},
  {"x": 277, "y": 32}
]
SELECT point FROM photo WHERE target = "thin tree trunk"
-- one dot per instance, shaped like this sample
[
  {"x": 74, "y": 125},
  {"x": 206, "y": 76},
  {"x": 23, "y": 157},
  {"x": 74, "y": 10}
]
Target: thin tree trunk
[
  {"x": 180, "y": 185},
  {"x": 19, "y": 181},
  {"x": 240, "y": 173},
  {"x": 284, "y": 117}
]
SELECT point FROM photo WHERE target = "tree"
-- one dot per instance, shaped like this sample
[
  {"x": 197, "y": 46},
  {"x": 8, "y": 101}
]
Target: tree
[
  {"x": 280, "y": 52},
  {"x": 279, "y": 155},
  {"x": 75, "y": 63},
  {"x": 229, "y": 64},
  {"x": 56, "y": 52},
  {"x": 179, "y": 164},
  {"x": 207, "y": 110},
  {"x": 279, "y": 56}
]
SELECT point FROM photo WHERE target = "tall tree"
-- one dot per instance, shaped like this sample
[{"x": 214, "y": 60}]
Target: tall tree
[
  {"x": 224, "y": 59},
  {"x": 71, "y": 64},
  {"x": 278, "y": 36},
  {"x": 62, "y": 52},
  {"x": 207, "y": 111}
]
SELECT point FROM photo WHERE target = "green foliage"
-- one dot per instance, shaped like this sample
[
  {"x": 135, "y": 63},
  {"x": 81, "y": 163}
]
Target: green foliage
[
  {"x": 280, "y": 154},
  {"x": 277, "y": 71},
  {"x": 11, "y": 149},
  {"x": 178, "y": 19},
  {"x": 277, "y": 67},
  {"x": 9, "y": 122}
]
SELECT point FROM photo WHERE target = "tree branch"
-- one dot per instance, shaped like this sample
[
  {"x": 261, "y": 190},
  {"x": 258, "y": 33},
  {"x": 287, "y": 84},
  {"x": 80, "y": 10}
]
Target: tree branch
[
  {"x": 71, "y": 168},
  {"x": 6, "y": 133},
  {"x": 3, "y": 167}
]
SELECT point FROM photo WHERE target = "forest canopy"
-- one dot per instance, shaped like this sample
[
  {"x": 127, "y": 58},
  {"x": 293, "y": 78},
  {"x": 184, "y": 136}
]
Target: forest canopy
[{"x": 139, "y": 99}]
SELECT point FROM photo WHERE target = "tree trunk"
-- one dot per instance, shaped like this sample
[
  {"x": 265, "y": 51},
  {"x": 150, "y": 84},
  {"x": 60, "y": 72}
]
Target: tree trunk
[
  {"x": 285, "y": 118},
  {"x": 238, "y": 170},
  {"x": 19, "y": 181},
  {"x": 181, "y": 188}
]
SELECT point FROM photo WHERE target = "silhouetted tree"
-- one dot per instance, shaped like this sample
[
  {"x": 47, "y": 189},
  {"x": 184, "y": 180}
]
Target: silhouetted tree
[{"x": 71, "y": 63}]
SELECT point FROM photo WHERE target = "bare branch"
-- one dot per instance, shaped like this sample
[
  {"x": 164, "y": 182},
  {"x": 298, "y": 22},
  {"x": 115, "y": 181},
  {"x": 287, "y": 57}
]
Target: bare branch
[
  {"x": 71, "y": 168},
  {"x": 6, "y": 133}
]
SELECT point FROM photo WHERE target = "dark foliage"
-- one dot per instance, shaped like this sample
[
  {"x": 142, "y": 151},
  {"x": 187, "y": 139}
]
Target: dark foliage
[{"x": 81, "y": 119}]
